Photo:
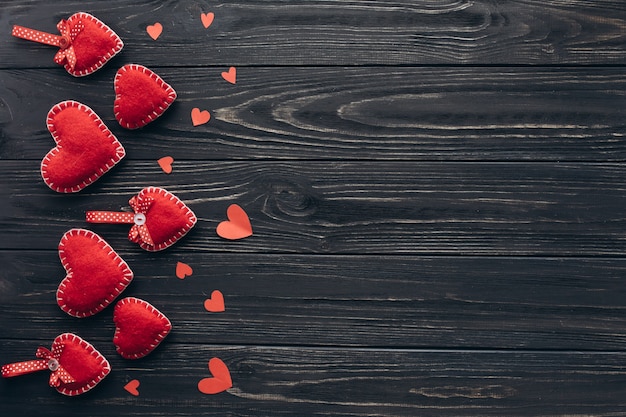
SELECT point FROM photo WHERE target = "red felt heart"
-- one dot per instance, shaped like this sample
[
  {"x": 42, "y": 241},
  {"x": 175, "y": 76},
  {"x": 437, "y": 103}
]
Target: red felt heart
[
  {"x": 141, "y": 96},
  {"x": 86, "y": 148},
  {"x": 160, "y": 218},
  {"x": 221, "y": 380},
  {"x": 75, "y": 364},
  {"x": 139, "y": 327},
  {"x": 86, "y": 44},
  {"x": 96, "y": 275}
]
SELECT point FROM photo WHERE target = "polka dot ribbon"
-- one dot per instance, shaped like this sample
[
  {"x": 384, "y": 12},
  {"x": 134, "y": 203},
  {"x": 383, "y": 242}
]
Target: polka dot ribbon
[
  {"x": 66, "y": 52},
  {"x": 49, "y": 360},
  {"x": 139, "y": 232}
]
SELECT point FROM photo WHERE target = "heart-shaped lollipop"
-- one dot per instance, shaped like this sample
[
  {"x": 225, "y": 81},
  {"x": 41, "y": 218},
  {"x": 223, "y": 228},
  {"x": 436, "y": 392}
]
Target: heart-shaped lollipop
[
  {"x": 141, "y": 96},
  {"x": 139, "y": 327},
  {"x": 86, "y": 149},
  {"x": 96, "y": 275},
  {"x": 85, "y": 43},
  {"x": 75, "y": 364},
  {"x": 159, "y": 220}
]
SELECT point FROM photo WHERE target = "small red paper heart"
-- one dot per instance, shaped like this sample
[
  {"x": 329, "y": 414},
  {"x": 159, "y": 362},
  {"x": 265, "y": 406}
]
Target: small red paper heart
[
  {"x": 139, "y": 327},
  {"x": 141, "y": 96},
  {"x": 230, "y": 75},
  {"x": 221, "y": 380},
  {"x": 237, "y": 226},
  {"x": 166, "y": 164},
  {"x": 199, "y": 117},
  {"x": 96, "y": 274},
  {"x": 86, "y": 149},
  {"x": 132, "y": 386},
  {"x": 207, "y": 19},
  {"x": 183, "y": 270},
  {"x": 215, "y": 304},
  {"x": 154, "y": 30}
]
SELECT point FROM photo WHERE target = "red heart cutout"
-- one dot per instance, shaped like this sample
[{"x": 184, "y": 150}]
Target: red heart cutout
[
  {"x": 199, "y": 117},
  {"x": 155, "y": 30},
  {"x": 183, "y": 270},
  {"x": 207, "y": 19},
  {"x": 237, "y": 226},
  {"x": 166, "y": 164},
  {"x": 96, "y": 275},
  {"x": 230, "y": 75},
  {"x": 141, "y": 96},
  {"x": 132, "y": 386},
  {"x": 75, "y": 364},
  {"x": 221, "y": 380},
  {"x": 139, "y": 327},
  {"x": 215, "y": 304},
  {"x": 86, "y": 44},
  {"x": 86, "y": 149}
]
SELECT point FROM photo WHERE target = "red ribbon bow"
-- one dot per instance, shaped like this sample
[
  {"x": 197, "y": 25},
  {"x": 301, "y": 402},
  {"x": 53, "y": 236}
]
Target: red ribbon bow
[
  {"x": 139, "y": 232},
  {"x": 67, "y": 53},
  {"x": 49, "y": 360}
]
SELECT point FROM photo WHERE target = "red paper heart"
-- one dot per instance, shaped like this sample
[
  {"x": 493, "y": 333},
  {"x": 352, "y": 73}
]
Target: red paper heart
[
  {"x": 75, "y": 364},
  {"x": 141, "y": 96},
  {"x": 183, "y": 270},
  {"x": 199, "y": 117},
  {"x": 86, "y": 148},
  {"x": 215, "y": 304},
  {"x": 207, "y": 19},
  {"x": 221, "y": 380},
  {"x": 86, "y": 44},
  {"x": 139, "y": 327},
  {"x": 155, "y": 30},
  {"x": 237, "y": 226},
  {"x": 166, "y": 164},
  {"x": 96, "y": 275},
  {"x": 230, "y": 75},
  {"x": 132, "y": 386}
]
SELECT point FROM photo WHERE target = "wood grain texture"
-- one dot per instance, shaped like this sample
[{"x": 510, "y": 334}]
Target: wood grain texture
[
  {"x": 337, "y": 32},
  {"x": 331, "y": 382},
  {"x": 347, "y": 208},
  {"x": 502, "y": 114},
  {"x": 350, "y": 301}
]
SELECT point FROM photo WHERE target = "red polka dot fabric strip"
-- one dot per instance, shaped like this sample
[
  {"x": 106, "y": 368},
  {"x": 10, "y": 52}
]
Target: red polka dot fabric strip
[{"x": 36, "y": 36}]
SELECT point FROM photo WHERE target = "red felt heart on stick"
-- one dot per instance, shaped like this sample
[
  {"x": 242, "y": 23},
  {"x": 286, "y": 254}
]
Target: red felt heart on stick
[
  {"x": 141, "y": 96},
  {"x": 75, "y": 365},
  {"x": 220, "y": 381},
  {"x": 96, "y": 275},
  {"x": 160, "y": 219},
  {"x": 85, "y": 43},
  {"x": 86, "y": 149},
  {"x": 139, "y": 327}
]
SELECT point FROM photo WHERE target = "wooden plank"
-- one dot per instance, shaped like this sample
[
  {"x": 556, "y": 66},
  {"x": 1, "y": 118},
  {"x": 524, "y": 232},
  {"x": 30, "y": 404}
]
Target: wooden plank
[
  {"x": 352, "y": 301},
  {"x": 341, "y": 32},
  {"x": 325, "y": 382},
  {"x": 346, "y": 208},
  {"x": 403, "y": 113}
]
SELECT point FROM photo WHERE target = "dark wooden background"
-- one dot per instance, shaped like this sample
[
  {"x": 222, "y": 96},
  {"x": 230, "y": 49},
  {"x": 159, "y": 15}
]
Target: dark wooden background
[{"x": 436, "y": 190}]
